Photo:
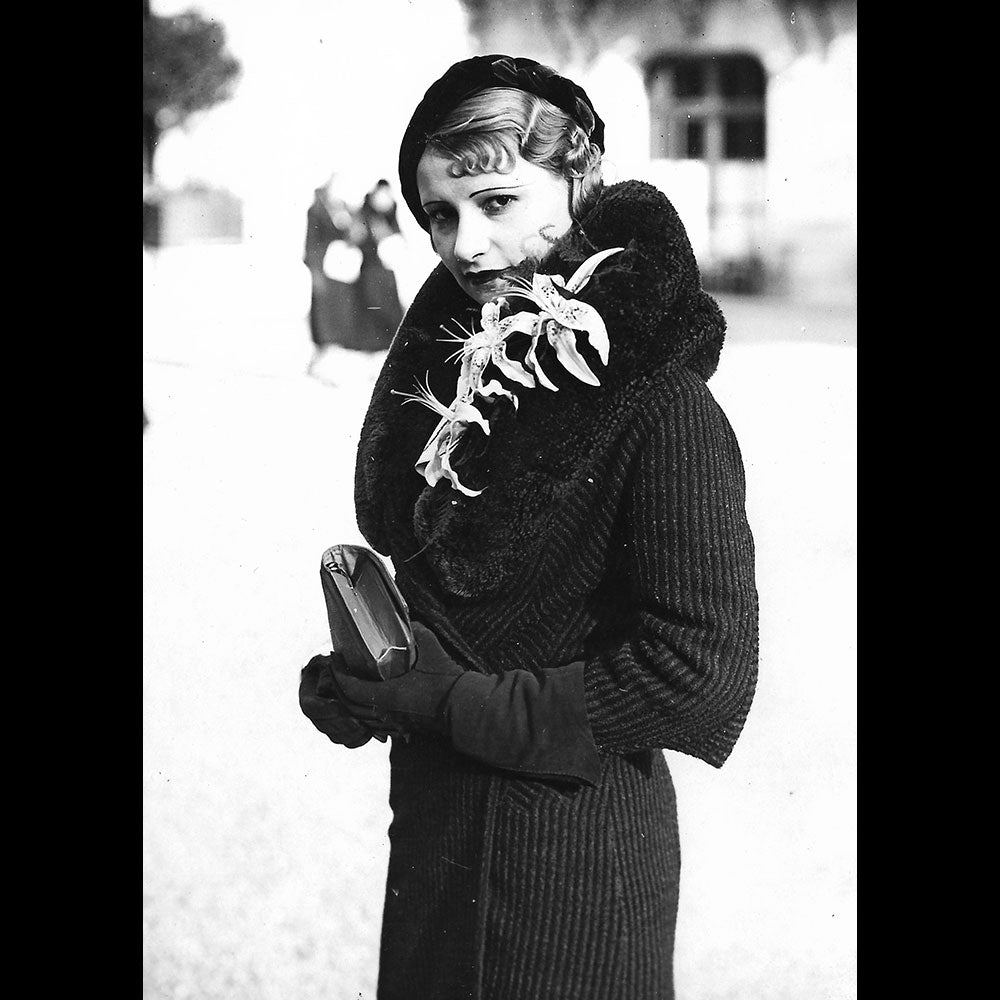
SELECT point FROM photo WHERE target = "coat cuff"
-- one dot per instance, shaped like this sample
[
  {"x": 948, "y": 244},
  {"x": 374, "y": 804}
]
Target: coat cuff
[{"x": 534, "y": 724}]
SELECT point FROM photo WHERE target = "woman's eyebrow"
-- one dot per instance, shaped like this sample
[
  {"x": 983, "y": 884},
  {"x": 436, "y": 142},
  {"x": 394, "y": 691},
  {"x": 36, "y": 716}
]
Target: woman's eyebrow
[
  {"x": 498, "y": 187},
  {"x": 474, "y": 194}
]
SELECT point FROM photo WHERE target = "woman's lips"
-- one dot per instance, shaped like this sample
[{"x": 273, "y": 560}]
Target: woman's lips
[
  {"x": 487, "y": 281},
  {"x": 481, "y": 276}
]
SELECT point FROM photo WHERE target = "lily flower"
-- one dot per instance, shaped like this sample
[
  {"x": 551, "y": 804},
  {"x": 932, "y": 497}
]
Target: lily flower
[
  {"x": 489, "y": 344},
  {"x": 461, "y": 410},
  {"x": 561, "y": 318},
  {"x": 434, "y": 462}
]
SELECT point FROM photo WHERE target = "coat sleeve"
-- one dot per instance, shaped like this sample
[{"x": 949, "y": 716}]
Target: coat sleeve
[
  {"x": 682, "y": 672},
  {"x": 684, "y": 675}
]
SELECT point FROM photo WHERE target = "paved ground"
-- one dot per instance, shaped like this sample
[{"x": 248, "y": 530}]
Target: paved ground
[{"x": 265, "y": 845}]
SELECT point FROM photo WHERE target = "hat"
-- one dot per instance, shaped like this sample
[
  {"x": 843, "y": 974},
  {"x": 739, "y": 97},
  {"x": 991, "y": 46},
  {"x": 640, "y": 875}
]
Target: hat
[{"x": 472, "y": 75}]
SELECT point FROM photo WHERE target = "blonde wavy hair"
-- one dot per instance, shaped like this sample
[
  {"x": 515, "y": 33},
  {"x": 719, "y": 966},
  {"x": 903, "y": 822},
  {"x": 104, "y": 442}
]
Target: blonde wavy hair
[{"x": 487, "y": 131}]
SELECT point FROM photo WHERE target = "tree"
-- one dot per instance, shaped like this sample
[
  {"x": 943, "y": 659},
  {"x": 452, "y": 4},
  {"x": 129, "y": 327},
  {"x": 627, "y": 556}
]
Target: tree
[{"x": 185, "y": 69}]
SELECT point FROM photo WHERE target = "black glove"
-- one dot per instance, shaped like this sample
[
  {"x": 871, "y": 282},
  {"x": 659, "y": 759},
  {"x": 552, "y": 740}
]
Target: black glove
[
  {"x": 318, "y": 699},
  {"x": 414, "y": 701},
  {"x": 534, "y": 724}
]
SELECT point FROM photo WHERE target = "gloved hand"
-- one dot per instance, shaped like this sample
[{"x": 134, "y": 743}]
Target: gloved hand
[
  {"x": 318, "y": 699},
  {"x": 414, "y": 701},
  {"x": 531, "y": 724}
]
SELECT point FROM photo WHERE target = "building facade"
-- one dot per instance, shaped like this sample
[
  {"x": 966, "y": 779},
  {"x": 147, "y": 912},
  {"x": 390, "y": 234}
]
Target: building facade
[{"x": 744, "y": 112}]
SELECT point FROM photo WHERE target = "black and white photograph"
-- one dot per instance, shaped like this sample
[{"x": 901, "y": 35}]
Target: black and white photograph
[{"x": 499, "y": 500}]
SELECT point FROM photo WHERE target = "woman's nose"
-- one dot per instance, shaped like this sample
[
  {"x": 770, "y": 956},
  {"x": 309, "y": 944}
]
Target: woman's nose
[{"x": 472, "y": 237}]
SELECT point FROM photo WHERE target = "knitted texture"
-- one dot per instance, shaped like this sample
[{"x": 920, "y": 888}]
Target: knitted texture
[{"x": 611, "y": 530}]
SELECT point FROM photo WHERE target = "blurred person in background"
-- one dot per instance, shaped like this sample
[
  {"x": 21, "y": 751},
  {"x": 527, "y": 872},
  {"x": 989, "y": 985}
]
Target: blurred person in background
[
  {"x": 564, "y": 508},
  {"x": 152, "y": 211},
  {"x": 382, "y": 245},
  {"x": 334, "y": 261}
]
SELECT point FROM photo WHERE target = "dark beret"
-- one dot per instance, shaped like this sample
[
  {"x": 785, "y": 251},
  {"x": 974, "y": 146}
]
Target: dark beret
[{"x": 469, "y": 76}]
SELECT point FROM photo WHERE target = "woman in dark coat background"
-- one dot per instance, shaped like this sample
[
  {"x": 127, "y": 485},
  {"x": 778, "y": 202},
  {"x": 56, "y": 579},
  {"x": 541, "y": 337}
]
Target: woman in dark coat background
[
  {"x": 377, "y": 282},
  {"x": 334, "y": 314},
  {"x": 563, "y": 502}
]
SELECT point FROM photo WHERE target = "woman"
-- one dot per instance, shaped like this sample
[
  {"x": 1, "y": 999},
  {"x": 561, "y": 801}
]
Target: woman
[
  {"x": 574, "y": 552},
  {"x": 377, "y": 282},
  {"x": 335, "y": 311}
]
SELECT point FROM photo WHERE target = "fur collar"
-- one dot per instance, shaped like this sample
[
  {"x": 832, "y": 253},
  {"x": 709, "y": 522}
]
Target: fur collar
[{"x": 658, "y": 319}]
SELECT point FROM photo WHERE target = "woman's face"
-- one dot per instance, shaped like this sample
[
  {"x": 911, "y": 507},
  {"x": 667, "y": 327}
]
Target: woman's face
[{"x": 482, "y": 224}]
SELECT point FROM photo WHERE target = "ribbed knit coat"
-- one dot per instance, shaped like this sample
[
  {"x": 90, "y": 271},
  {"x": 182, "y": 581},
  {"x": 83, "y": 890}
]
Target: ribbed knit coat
[{"x": 611, "y": 530}]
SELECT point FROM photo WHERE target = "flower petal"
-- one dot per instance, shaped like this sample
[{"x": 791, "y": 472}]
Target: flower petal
[
  {"x": 582, "y": 274},
  {"x": 465, "y": 414},
  {"x": 494, "y": 388},
  {"x": 452, "y": 475},
  {"x": 545, "y": 293},
  {"x": 429, "y": 462},
  {"x": 531, "y": 360},
  {"x": 490, "y": 314},
  {"x": 471, "y": 377},
  {"x": 597, "y": 334},
  {"x": 564, "y": 341},
  {"x": 522, "y": 322},
  {"x": 512, "y": 369}
]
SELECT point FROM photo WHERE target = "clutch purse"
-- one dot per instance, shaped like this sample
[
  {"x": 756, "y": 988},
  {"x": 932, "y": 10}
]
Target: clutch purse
[{"x": 369, "y": 620}]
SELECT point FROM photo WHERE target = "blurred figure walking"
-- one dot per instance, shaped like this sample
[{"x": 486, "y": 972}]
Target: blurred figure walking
[
  {"x": 334, "y": 262},
  {"x": 381, "y": 245}
]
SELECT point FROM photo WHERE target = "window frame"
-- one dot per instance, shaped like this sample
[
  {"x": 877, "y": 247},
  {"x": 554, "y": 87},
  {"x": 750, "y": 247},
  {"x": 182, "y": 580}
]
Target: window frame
[{"x": 668, "y": 111}]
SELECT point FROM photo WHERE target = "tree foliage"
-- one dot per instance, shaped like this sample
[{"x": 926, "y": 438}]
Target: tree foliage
[{"x": 185, "y": 67}]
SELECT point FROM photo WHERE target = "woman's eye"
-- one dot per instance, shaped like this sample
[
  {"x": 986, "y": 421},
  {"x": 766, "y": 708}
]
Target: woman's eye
[
  {"x": 498, "y": 202},
  {"x": 439, "y": 216}
]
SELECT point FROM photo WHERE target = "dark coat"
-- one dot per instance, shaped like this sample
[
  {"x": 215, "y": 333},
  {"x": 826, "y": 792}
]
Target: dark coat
[
  {"x": 612, "y": 530},
  {"x": 335, "y": 308},
  {"x": 377, "y": 286}
]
